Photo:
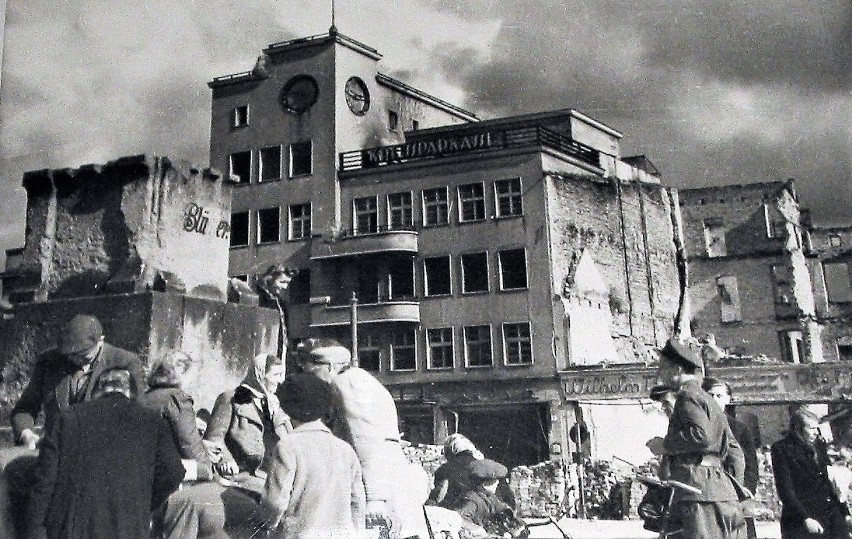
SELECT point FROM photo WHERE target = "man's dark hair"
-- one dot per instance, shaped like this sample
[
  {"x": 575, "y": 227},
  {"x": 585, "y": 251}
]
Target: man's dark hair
[
  {"x": 709, "y": 383},
  {"x": 305, "y": 397}
]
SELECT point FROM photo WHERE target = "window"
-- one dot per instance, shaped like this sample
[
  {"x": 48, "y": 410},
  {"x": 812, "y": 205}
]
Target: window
[
  {"x": 509, "y": 197},
  {"x": 241, "y": 277},
  {"x": 401, "y": 280},
  {"x": 239, "y": 229},
  {"x": 403, "y": 356},
  {"x": 474, "y": 268},
  {"x": 775, "y": 223},
  {"x": 393, "y": 120},
  {"x": 477, "y": 346},
  {"x": 240, "y": 116},
  {"x": 400, "y": 211},
  {"x": 729, "y": 299},
  {"x": 838, "y": 283},
  {"x": 835, "y": 240},
  {"x": 844, "y": 352},
  {"x": 270, "y": 163},
  {"x": 301, "y": 159},
  {"x": 517, "y": 344},
  {"x": 415, "y": 125},
  {"x": 792, "y": 346},
  {"x": 240, "y": 166},
  {"x": 471, "y": 202},
  {"x": 435, "y": 208},
  {"x": 268, "y": 225},
  {"x": 300, "y": 221},
  {"x": 714, "y": 237},
  {"x": 366, "y": 215},
  {"x": 513, "y": 269},
  {"x": 300, "y": 288},
  {"x": 440, "y": 345},
  {"x": 369, "y": 355},
  {"x": 437, "y": 272}
]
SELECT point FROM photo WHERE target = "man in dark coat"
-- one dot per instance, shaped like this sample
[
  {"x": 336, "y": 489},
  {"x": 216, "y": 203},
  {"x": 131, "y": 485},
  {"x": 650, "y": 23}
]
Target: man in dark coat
[
  {"x": 103, "y": 467},
  {"x": 701, "y": 451},
  {"x": 810, "y": 509},
  {"x": 60, "y": 377},
  {"x": 67, "y": 374},
  {"x": 721, "y": 393}
]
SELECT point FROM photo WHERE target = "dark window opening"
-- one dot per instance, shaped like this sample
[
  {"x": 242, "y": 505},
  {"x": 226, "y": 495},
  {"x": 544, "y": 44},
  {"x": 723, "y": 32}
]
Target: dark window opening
[
  {"x": 437, "y": 271},
  {"x": 393, "y": 120},
  {"x": 240, "y": 229},
  {"x": 301, "y": 160},
  {"x": 440, "y": 348},
  {"x": 369, "y": 356},
  {"x": 400, "y": 210},
  {"x": 509, "y": 197},
  {"x": 513, "y": 269},
  {"x": 366, "y": 215},
  {"x": 403, "y": 356},
  {"x": 401, "y": 280},
  {"x": 517, "y": 343},
  {"x": 474, "y": 268},
  {"x": 241, "y": 116},
  {"x": 435, "y": 207},
  {"x": 477, "y": 346},
  {"x": 270, "y": 163},
  {"x": 240, "y": 164},
  {"x": 472, "y": 202},
  {"x": 300, "y": 288},
  {"x": 268, "y": 225}
]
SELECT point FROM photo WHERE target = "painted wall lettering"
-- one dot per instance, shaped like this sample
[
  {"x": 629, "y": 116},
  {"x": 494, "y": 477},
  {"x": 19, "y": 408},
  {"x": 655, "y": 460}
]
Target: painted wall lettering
[{"x": 197, "y": 218}]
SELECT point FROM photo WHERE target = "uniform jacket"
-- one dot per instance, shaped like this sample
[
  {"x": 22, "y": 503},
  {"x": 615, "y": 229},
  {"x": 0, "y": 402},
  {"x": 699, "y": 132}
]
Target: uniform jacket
[
  {"x": 804, "y": 489},
  {"x": 178, "y": 409},
  {"x": 49, "y": 388},
  {"x": 698, "y": 427},
  {"x": 237, "y": 426},
  {"x": 102, "y": 469},
  {"x": 456, "y": 473},
  {"x": 315, "y": 482},
  {"x": 477, "y": 505}
]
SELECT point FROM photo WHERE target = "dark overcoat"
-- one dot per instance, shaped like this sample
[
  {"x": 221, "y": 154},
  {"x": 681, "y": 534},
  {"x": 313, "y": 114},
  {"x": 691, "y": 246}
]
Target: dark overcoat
[
  {"x": 801, "y": 478},
  {"x": 49, "y": 388},
  {"x": 102, "y": 469}
]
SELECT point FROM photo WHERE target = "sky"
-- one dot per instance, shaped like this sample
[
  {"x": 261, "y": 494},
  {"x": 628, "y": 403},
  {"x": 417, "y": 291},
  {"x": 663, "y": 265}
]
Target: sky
[{"x": 713, "y": 92}]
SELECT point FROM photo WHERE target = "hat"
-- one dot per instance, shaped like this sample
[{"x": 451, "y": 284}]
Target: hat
[
  {"x": 487, "y": 470},
  {"x": 680, "y": 353},
  {"x": 657, "y": 392},
  {"x": 322, "y": 351},
  {"x": 80, "y": 334},
  {"x": 304, "y": 397}
]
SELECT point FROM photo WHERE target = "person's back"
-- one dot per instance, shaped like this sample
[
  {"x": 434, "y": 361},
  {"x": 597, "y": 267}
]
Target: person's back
[
  {"x": 314, "y": 487},
  {"x": 102, "y": 469}
]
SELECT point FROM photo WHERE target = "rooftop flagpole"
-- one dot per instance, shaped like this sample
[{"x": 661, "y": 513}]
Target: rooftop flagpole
[{"x": 333, "y": 29}]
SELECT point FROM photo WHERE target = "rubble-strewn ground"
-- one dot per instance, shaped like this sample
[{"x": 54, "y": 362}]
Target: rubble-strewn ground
[{"x": 622, "y": 529}]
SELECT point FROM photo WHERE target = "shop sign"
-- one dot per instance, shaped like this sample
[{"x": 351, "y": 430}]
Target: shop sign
[
  {"x": 430, "y": 148},
  {"x": 817, "y": 382}
]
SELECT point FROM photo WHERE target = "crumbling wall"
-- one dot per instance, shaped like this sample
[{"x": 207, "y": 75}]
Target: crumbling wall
[{"x": 627, "y": 227}]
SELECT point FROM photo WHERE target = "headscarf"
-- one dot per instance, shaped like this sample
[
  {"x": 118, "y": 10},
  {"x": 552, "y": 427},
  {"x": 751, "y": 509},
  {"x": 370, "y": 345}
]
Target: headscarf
[
  {"x": 253, "y": 382},
  {"x": 459, "y": 443}
]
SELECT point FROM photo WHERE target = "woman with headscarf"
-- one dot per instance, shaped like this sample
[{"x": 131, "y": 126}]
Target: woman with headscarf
[
  {"x": 272, "y": 286},
  {"x": 247, "y": 422},
  {"x": 452, "y": 479}
]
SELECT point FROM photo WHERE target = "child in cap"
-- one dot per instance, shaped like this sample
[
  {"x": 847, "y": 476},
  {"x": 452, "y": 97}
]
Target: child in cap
[
  {"x": 314, "y": 487},
  {"x": 481, "y": 504}
]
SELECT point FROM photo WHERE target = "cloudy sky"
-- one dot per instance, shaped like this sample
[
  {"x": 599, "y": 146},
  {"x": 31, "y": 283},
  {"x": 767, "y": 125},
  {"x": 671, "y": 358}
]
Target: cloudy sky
[{"x": 714, "y": 92}]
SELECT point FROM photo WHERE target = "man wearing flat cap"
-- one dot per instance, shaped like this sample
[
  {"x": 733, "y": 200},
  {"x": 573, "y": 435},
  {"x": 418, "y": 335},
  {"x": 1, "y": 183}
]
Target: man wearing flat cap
[
  {"x": 701, "y": 451},
  {"x": 60, "y": 377},
  {"x": 68, "y": 374}
]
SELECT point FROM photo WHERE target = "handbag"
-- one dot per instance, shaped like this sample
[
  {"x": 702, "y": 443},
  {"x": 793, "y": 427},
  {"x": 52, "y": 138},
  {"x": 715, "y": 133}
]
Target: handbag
[{"x": 653, "y": 507}]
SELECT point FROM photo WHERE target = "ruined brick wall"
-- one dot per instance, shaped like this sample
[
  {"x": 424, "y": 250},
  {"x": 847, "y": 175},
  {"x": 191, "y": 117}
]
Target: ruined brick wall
[
  {"x": 832, "y": 246},
  {"x": 122, "y": 226},
  {"x": 627, "y": 227}
]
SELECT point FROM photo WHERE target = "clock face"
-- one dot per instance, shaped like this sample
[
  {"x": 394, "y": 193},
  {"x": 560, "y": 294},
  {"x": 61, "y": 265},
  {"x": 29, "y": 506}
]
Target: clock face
[
  {"x": 357, "y": 95},
  {"x": 299, "y": 94}
]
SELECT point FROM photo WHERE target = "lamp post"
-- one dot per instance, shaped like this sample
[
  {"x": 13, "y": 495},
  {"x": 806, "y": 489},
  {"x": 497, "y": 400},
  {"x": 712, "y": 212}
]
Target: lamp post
[{"x": 353, "y": 326}]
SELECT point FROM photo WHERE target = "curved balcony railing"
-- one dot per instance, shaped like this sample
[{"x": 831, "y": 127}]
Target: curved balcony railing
[
  {"x": 361, "y": 242},
  {"x": 368, "y": 313}
]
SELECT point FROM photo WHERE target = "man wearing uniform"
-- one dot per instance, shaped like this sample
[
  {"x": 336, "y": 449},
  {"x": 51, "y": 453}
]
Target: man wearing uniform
[{"x": 701, "y": 451}]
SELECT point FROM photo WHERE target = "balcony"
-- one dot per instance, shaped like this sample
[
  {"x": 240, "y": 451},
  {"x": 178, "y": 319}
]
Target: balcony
[
  {"x": 468, "y": 143},
  {"x": 355, "y": 243},
  {"x": 368, "y": 313}
]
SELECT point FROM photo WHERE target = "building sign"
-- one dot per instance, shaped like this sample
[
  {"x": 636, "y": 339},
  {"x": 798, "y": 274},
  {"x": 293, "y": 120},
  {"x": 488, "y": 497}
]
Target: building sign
[
  {"x": 818, "y": 382},
  {"x": 197, "y": 218},
  {"x": 398, "y": 153}
]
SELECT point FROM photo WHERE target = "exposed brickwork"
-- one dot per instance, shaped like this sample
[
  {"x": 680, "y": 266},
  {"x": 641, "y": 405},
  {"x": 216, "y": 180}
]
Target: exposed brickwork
[{"x": 627, "y": 228}]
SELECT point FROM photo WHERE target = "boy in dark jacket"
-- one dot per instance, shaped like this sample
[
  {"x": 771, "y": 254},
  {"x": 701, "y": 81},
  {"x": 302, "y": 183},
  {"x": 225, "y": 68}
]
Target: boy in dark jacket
[{"x": 481, "y": 502}]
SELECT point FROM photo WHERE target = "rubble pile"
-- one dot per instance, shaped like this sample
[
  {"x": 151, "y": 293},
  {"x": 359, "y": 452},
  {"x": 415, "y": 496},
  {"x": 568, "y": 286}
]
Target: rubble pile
[
  {"x": 540, "y": 490},
  {"x": 766, "y": 505},
  {"x": 606, "y": 490}
]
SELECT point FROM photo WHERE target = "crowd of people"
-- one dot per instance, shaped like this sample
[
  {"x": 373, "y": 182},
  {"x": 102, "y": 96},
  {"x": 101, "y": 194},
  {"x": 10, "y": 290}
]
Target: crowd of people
[
  {"x": 313, "y": 454},
  {"x": 716, "y": 453},
  {"x": 318, "y": 454}
]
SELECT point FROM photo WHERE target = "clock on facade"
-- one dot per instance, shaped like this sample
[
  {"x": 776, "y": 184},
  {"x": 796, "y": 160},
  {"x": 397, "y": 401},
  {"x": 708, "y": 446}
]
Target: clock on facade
[
  {"x": 357, "y": 95},
  {"x": 299, "y": 94}
]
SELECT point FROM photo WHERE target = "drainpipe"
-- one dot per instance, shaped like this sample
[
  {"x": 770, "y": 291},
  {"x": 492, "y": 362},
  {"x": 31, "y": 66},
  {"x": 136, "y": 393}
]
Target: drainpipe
[{"x": 353, "y": 326}]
